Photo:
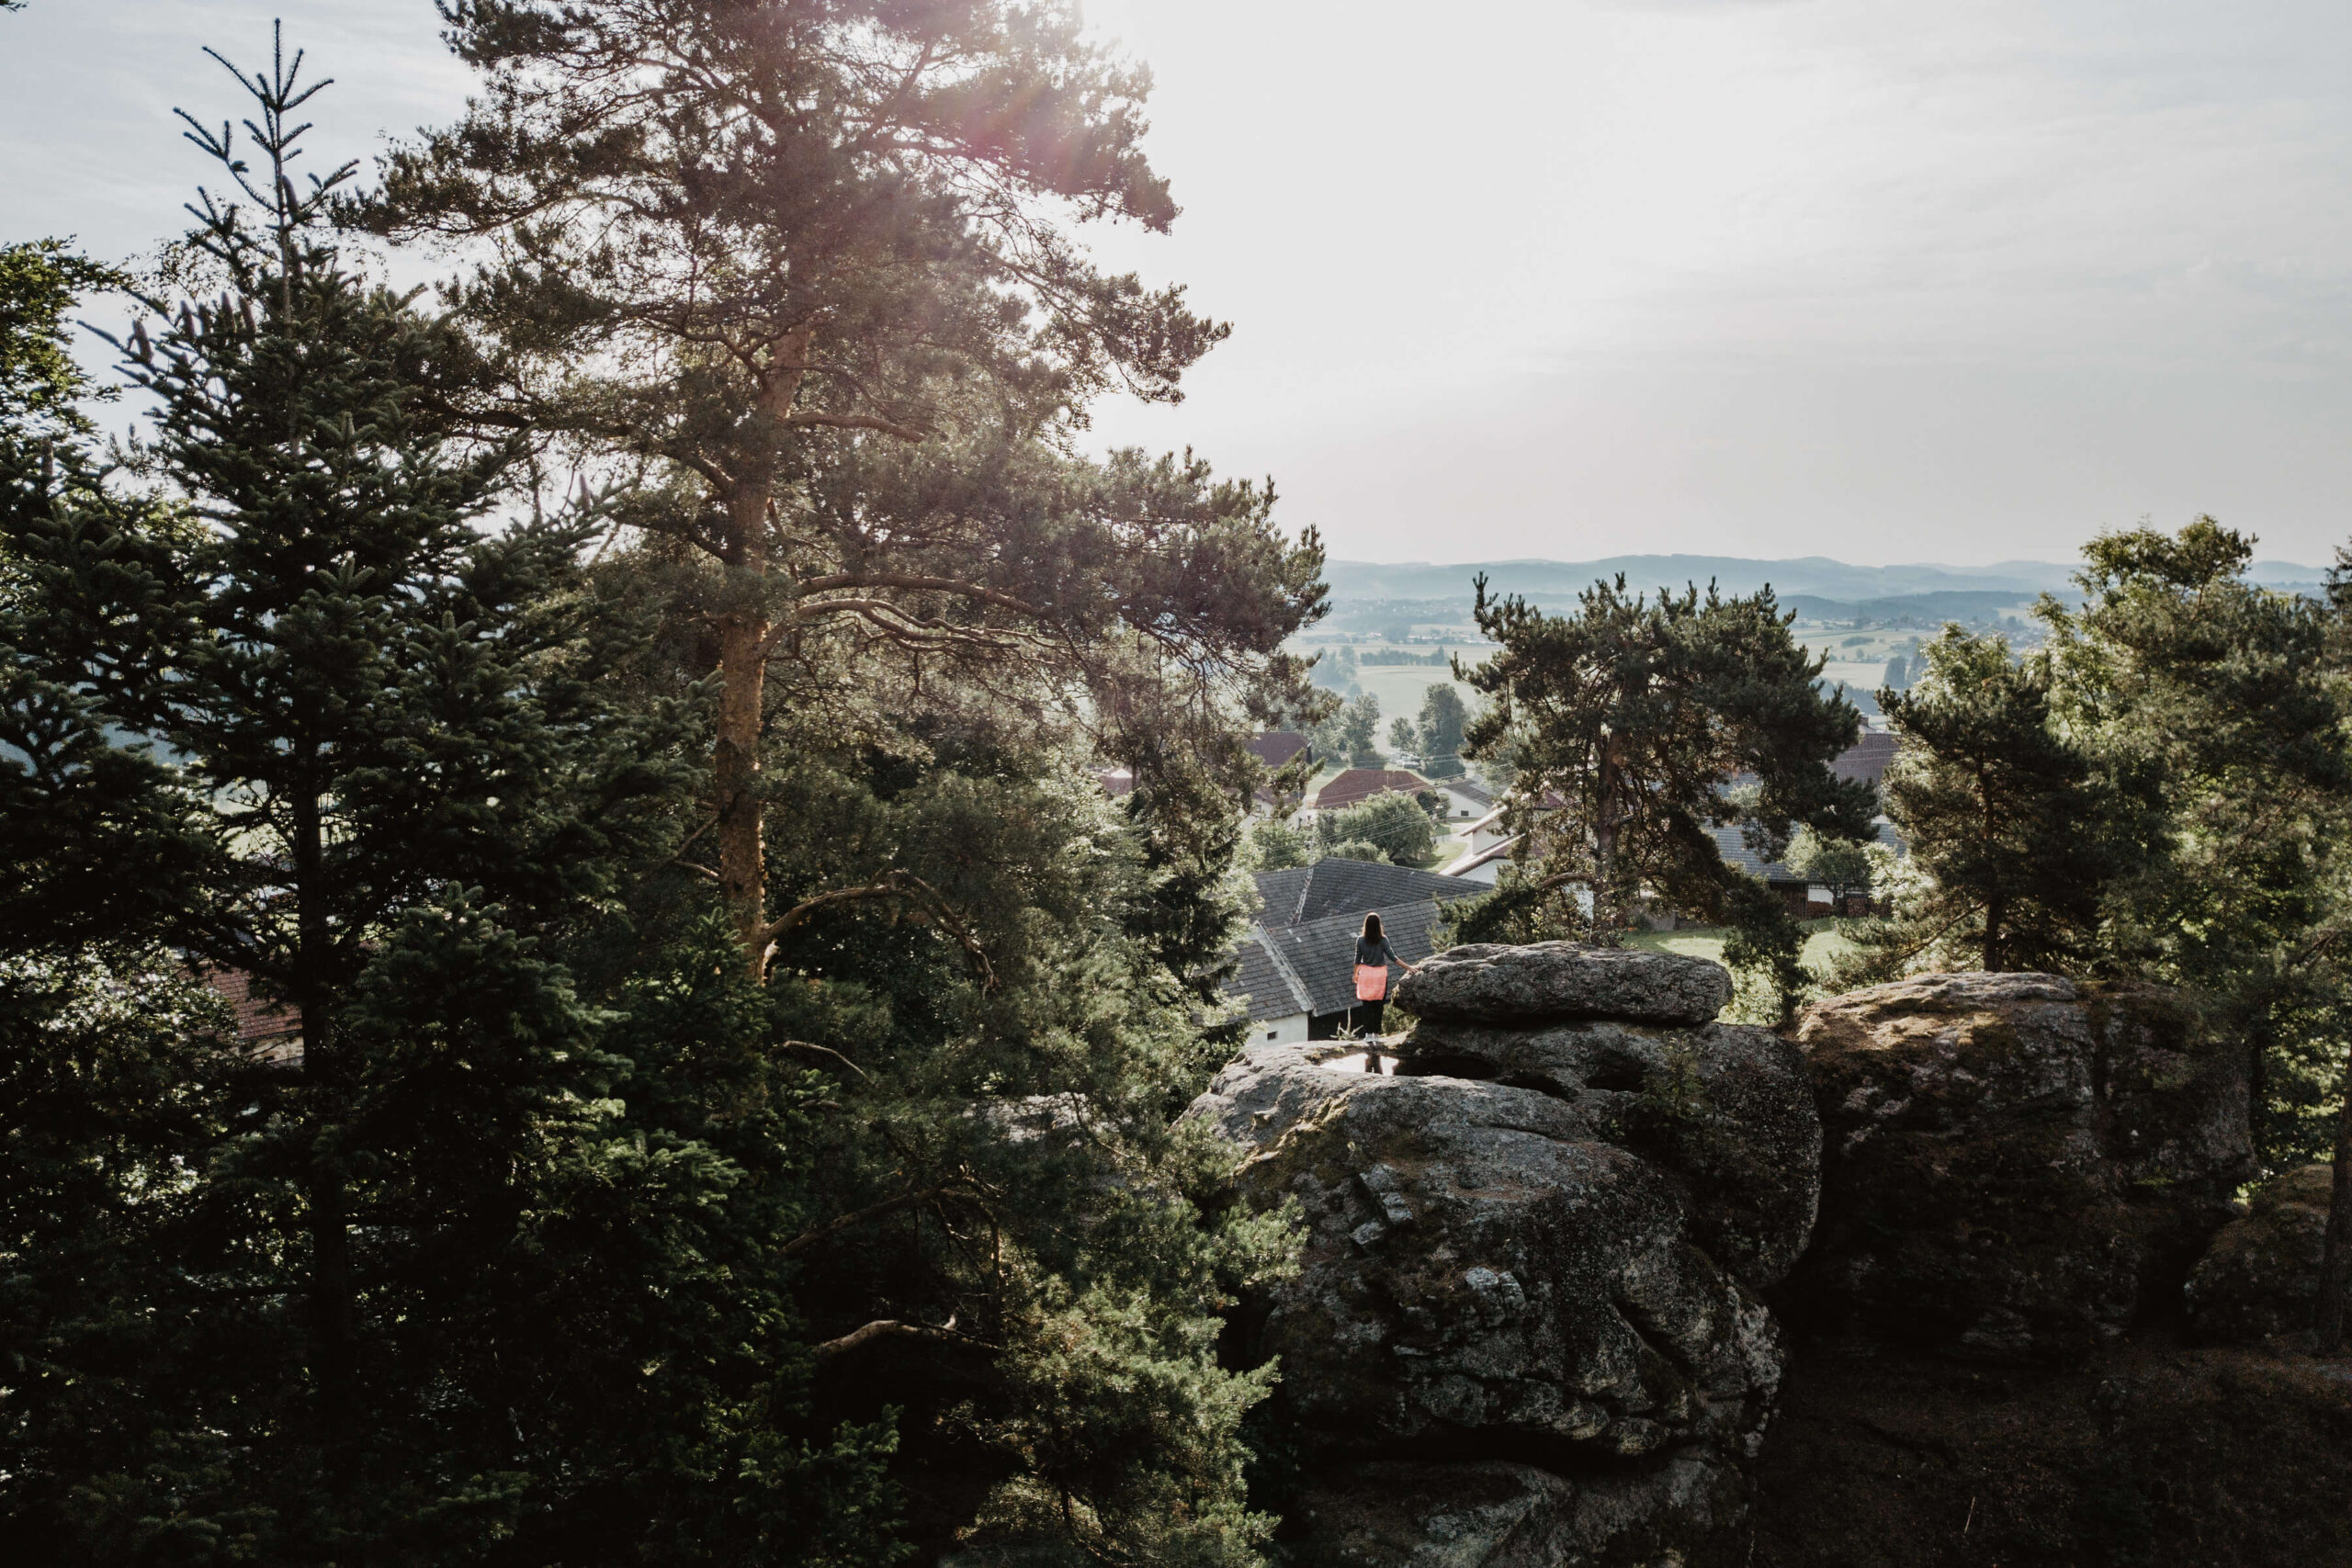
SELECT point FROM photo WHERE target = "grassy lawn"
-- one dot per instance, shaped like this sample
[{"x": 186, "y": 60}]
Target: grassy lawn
[{"x": 1823, "y": 941}]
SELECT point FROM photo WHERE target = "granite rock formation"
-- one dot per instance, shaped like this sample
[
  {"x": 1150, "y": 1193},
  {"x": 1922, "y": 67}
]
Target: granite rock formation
[
  {"x": 2260, "y": 1278},
  {"x": 1526, "y": 1330},
  {"x": 2014, "y": 1166},
  {"x": 1723, "y": 1113}
]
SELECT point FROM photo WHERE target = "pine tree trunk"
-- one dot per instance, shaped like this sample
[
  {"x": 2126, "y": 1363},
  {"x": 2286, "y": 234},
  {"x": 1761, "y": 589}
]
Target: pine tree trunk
[
  {"x": 743, "y": 645},
  {"x": 735, "y": 779},
  {"x": 2335, "y": 1266},
  {"x": 1604, "y": 845}
]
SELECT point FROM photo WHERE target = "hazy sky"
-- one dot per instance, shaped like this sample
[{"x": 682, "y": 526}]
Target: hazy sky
[{"x": 1807, "y": 277}]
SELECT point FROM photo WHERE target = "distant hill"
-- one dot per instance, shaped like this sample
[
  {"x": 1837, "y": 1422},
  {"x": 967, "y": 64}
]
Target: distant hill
[{"x": 1814, "y": 577}]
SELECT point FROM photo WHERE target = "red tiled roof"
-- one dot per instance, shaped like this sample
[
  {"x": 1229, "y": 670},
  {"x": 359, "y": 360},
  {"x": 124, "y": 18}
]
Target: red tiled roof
[
  {"x": 1358, "y": 784},
  {"x": 258, "y": 1021}
]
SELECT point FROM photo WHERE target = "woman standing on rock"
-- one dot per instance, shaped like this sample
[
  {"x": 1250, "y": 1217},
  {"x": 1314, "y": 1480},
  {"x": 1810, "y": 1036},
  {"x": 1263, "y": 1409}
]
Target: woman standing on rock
[{"x": 1374, "y": 957}]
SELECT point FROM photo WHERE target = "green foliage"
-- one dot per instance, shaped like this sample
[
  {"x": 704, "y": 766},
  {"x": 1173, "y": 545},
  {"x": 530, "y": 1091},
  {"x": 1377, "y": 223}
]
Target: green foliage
[
  {"x": 1398, "y": 827},
  {"x": 1442, "y": 718},
  {"x": 1519, "y": 909},
  {"x": 2213, "y": 711},
  {"x": 846, "y": 346},
  {"x": 1842, "y": 865},
  {"x": 569, "y": 1239},
  {"x": 40, "y": 384},
  {"x": 2007, "y": 827},
  {"x": 1763, "y": 950},
  {"x": 1355, "y": 849},
  {"x": 1270, "y": 846},
  {"x": 1625, "y": 724},
  {"x": 1352, "y": 734},
  {"x": 2159, "y": 794}
]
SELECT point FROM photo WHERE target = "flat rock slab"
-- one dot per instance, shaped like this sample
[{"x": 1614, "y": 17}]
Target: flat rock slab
[{"x": 1552, "y": 982}]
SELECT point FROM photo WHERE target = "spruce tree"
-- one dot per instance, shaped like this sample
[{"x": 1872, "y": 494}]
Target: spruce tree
[{"x": 408, "y": 1300}]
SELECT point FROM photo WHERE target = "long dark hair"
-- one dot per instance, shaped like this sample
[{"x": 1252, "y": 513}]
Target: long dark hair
[{"x": 1372, "y": 928}]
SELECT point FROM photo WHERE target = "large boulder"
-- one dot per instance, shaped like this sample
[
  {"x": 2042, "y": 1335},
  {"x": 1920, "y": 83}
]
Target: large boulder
[
  {"x": 1551, "y": 981},
  {"x": 2014, "y": 1166},
  {"x": 2260, "y": 1278},
  {"x": 1506, "y": 1343},
  {"x": 1723, "y": 1113}
]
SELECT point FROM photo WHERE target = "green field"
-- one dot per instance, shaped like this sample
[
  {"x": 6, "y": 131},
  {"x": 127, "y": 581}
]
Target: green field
[{"x": 1398, "y": 688}]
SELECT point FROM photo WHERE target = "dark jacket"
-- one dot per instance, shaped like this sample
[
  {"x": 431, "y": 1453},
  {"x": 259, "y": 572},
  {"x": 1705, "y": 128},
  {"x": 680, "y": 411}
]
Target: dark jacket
[{"x": 1377, "y": 952}]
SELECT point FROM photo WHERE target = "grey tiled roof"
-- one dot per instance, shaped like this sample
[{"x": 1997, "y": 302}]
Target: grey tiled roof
[
  {"x": 1279, "y": 891},
  {"x": 1735, "y": 851},
  {"x": 1266, "y": 980},
  {"x": 1351, "y": 886},
  {"x": 1301, "y": 957},
  {"x": 1276, "y": 746},
  {"x": 1322, "y": 953},
  {"x": 1868, "y": 757}
]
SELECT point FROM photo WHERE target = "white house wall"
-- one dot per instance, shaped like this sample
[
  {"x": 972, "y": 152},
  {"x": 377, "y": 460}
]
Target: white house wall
[{"x": 1291, "y": 1031}]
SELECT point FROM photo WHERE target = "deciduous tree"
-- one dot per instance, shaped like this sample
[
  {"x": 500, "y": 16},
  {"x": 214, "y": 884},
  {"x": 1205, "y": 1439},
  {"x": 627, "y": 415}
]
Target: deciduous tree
[{"x": 1442, "y": 720}]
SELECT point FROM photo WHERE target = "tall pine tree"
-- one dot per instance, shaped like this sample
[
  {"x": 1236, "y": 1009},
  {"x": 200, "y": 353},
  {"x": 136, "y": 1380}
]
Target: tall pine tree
[
  {"x": 807, "y": 265},
  {"x": 2010, "y": 835},
  {"x": 1631, "y": 724}
]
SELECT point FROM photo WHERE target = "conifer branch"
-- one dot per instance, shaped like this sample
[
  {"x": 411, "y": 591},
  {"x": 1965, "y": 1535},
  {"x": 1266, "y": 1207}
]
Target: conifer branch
[{"x": 872, "y": 1212}]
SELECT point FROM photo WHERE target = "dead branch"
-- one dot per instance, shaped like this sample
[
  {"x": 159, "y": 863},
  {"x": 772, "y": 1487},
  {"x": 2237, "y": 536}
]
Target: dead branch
[{"x": 890, "y": 1329}]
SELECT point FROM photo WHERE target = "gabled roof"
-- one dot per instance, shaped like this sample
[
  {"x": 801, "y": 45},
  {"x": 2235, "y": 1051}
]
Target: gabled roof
[
  {"x": 1266, "y": 979},
  {"x": 1301, "y": 955},
  {"x": 1486, "y": 856},
  {"x": 1478, "y": 793},
  {"x": 1322, "y": 953},
  {"x": 1359, "y": 785},
  {"x": 1867, "y": 758},
  {"x": 1735, "y": 851},
  {"x": 1276, "y": 746},
  {"x": 1333, "y": 886}
]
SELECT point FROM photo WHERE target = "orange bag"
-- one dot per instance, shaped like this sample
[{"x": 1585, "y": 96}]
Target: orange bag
[{"x": 1372, "y": 982}]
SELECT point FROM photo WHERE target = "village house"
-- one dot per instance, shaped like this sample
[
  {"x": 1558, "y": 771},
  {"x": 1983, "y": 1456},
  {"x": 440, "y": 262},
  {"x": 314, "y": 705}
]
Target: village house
[
  {"x": 1356, "y": 786},
  {"x": 1296, "y": 965}
]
